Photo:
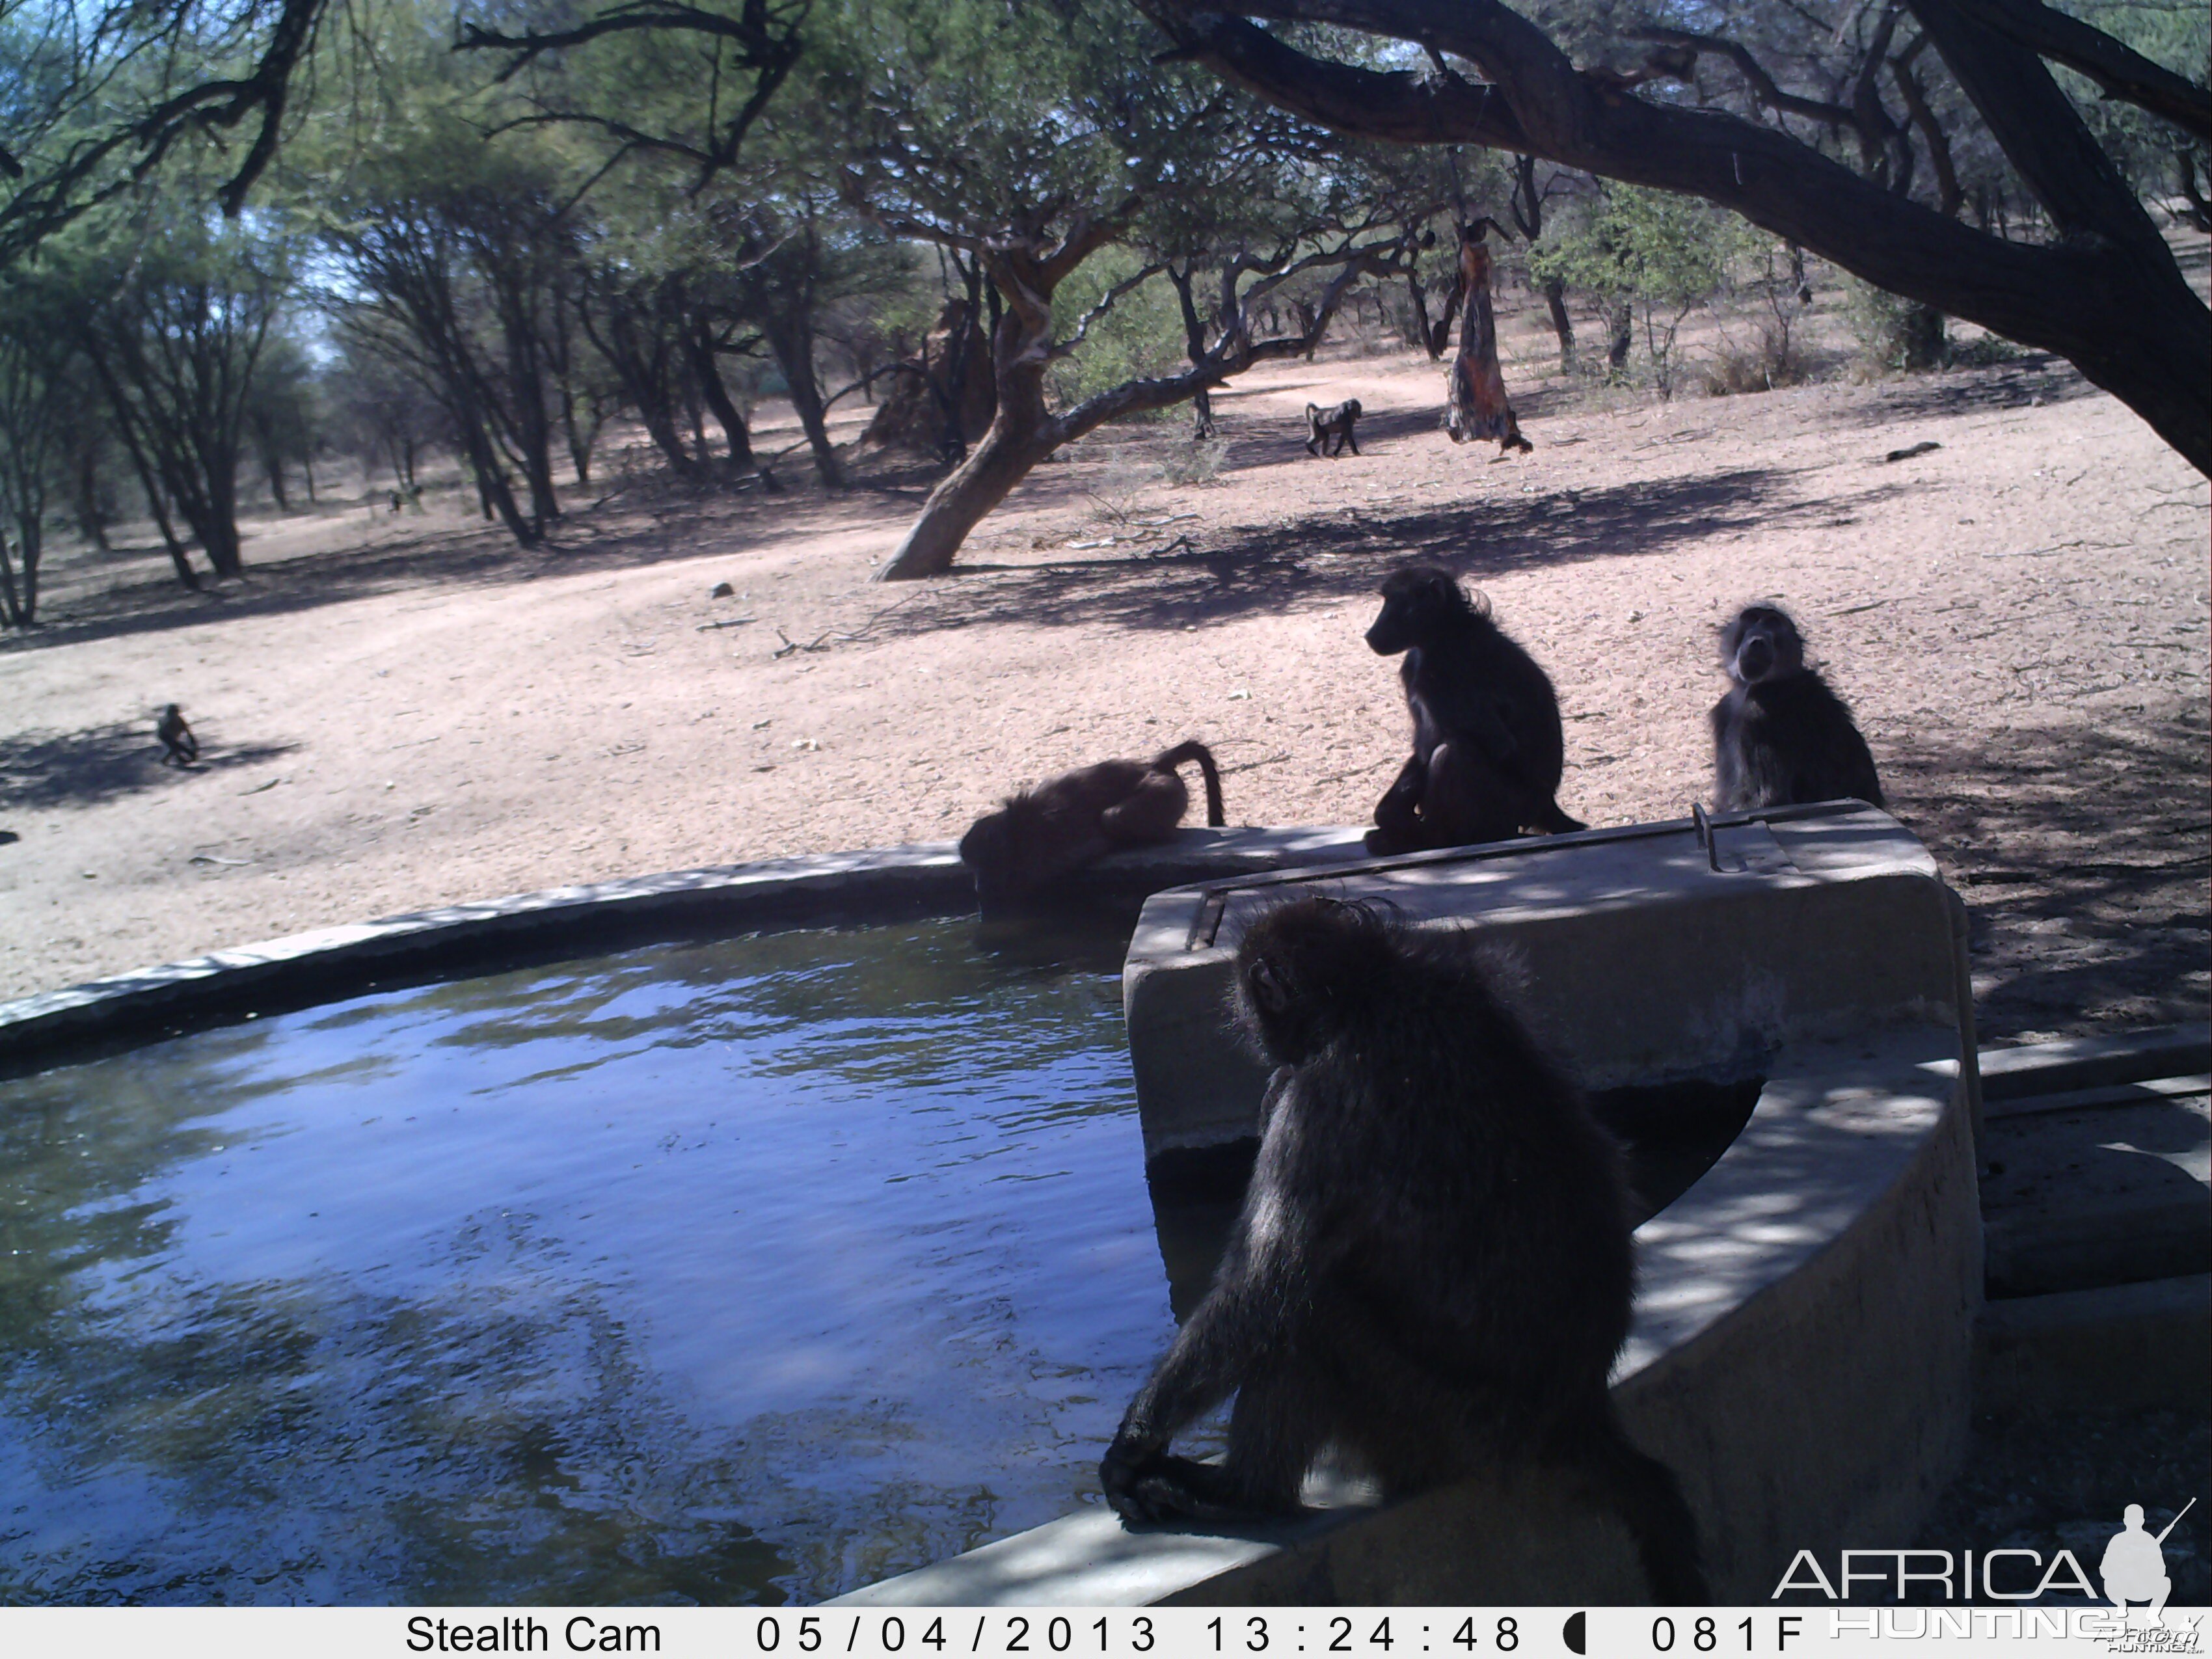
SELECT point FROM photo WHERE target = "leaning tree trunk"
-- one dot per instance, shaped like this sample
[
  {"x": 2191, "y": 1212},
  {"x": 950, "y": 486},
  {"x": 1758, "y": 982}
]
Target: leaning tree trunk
[
  {"x": 1477, "y": 407},
  {"x": 1021, "y": 434}
]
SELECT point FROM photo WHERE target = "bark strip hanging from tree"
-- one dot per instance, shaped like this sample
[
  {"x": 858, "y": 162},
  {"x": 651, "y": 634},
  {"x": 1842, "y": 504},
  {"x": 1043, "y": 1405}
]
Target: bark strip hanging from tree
[{"x": 1477, "y": 406}]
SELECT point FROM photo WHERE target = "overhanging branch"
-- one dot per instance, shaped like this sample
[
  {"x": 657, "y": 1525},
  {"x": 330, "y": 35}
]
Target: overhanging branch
[
  {"x": 2107, "y": 296},
  {"x": 2117, "y": 70}
]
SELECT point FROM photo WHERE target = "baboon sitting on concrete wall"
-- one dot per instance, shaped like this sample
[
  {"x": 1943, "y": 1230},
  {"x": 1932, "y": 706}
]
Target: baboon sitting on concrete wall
[{"x": 1432, "y": 1269}]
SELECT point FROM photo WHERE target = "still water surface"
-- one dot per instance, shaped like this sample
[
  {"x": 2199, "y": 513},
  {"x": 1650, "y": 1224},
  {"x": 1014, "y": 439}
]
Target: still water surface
[{"x": 745, "y": 1271}]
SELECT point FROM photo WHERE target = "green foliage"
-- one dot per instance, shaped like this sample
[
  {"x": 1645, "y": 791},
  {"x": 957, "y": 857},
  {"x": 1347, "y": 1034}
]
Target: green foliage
[
  {"x": 1661, "y": 254},
  {"x": 1142, "y": 335},
  {"x": 1894, "y": 332}
]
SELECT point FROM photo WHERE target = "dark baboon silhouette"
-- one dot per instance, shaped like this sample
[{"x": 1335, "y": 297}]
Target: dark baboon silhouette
[
  {"x": 1323, "y": 424},
  {"x": 1067, "y": 821},
  {"x": 179, "y": 746},
  {"x": 1780, "y": 737},
  {"x": 1488, "y": 751},
  {"x": 1432, "y": 1270}
]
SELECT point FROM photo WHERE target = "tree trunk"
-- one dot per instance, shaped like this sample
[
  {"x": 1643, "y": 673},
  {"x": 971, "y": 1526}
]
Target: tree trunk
[
  {"x": 12, "y": 611},
  {"x": 1555, "y": 301},
  {"x": 792, "y": 339},
  {"x": 160, "y": 512},
  {"x": 979, "y": 483},
  {"x": 699, "y": 346},
  {"x": 580, "y": 443},
  {"x": 1922, "y": 335},
  {"x": 492, "y": 490},
  {"x": 1021, "y": 434},
  {"x": 1620, "y": 336},
  {"x": 273, "y": 464},
  {"x": 1193, "y": 339},
  {"x": 84, "y": 498}
]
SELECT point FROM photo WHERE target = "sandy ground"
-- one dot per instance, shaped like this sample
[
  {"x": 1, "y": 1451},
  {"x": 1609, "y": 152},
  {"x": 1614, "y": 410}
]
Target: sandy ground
[{"x": 399, "y": 713}]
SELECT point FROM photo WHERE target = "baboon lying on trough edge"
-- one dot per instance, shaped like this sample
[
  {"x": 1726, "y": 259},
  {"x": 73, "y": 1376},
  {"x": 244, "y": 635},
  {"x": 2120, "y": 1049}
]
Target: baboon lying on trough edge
[
  {"x": 1487, "y": 746},
  {"x": 179, "y": 746},
  {"x": 1432, "y": 1270},
  {"x": 1322, "y": 424},
  {"x": 1067, "y": 821},
  {"x": 1780, "y": 737}
]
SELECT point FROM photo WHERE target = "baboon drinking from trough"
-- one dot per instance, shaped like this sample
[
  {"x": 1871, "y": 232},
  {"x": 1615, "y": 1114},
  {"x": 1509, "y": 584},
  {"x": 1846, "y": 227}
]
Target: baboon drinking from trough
[
  {"x": 1780, "y": 737},
  {"x": 1323, "y": 424},
  {"x": 1487, "y": 746},
  {"x": 1432, "y": 1270},
  {"x": 1067, "y": 821},
  {"x": 179, "y": 746}
]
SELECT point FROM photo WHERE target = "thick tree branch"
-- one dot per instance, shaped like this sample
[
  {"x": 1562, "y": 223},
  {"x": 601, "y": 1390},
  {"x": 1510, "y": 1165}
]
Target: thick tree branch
[
  {"x": 1762, "y": 84},
  {"x": 2117, "y": 70}
]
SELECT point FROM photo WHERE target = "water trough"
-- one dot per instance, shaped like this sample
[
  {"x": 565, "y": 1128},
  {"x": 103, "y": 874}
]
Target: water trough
[{"x": 1800, "y": 1351}]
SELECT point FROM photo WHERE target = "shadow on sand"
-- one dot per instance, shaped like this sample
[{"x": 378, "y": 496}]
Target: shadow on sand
[
  {"x": 104, "y": 763},
  {"x": 2082, "y": 854},
  {"x": 1344, "y": 554}
]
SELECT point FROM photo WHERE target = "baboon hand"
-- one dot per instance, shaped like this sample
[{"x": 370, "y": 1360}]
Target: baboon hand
[{"x": 1157, "y": 1489}]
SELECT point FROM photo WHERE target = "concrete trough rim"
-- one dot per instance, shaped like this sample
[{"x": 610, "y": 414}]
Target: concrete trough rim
[{"x": 912, "y": 879}]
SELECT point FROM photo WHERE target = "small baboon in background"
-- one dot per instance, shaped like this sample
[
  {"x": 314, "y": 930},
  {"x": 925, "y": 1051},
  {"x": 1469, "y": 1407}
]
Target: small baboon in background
[
  {"x": 1780, "y": 737},
  {"x": 179, "y": 746},
  {"x": 1488, "y": 748},
  {"x": 1323, "y": 424},
  {"x": 1432, "y": 1270},
  {"x": 1067, "y": 821}
]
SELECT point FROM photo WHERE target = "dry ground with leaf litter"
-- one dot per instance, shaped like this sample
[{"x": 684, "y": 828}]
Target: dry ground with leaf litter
[{"x": 402, "y": 712}]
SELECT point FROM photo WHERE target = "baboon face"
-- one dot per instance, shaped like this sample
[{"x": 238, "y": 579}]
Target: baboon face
[
  {"x": 987, "y": 849},
  {"x": 1762, "y": 644},
  {"x": 1416, "y": 603}
]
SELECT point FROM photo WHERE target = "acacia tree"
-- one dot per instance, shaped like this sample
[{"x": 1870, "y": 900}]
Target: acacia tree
[
  {"x": 2102, "y": 291},
  {"x": 1029, "y": 142},
  {"x": 172, "y": 313},
  {"x": 100, "y": 96},
  {"x": 462, "y": 260}
]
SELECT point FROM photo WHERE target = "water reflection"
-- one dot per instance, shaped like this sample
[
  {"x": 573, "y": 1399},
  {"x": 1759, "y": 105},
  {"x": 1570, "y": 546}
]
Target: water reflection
[{"x": 739, "y": 1271}]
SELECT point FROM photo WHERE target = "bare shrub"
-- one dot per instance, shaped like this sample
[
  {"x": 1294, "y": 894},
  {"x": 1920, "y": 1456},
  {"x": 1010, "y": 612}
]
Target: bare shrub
[
  {"x": 1198, "y": 462},
  {"x": 1774, "y": 360}
]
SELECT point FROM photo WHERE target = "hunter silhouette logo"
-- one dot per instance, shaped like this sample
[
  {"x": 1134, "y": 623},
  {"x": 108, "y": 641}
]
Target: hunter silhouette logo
[{"x": 2134, "y": 1567}]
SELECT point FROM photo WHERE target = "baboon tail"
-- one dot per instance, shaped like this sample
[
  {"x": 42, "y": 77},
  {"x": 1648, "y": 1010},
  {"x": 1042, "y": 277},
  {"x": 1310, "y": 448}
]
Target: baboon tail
[
  {"x": 1553, "y": 821},
  {"x": 1168, "y": 760}
]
